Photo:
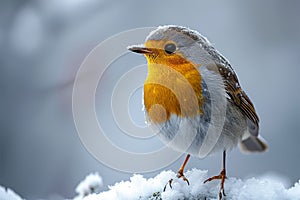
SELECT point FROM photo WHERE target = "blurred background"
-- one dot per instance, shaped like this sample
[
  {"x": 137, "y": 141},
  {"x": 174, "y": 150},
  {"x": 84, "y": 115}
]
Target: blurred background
[{"x": 43, "y": 44}]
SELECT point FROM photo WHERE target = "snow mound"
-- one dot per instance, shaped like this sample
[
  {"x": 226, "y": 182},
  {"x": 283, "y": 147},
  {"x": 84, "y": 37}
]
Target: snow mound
[
  {"x": 8, "y": 194},
  {"x": 141, "y": 188},
  {"x": 90, "y": 185}
]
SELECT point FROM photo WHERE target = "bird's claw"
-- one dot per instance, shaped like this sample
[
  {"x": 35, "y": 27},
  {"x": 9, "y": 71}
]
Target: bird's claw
[
  {"x": 221, "y": 193},
  {"x": 169, "y": 183},
  {"x": 179, "y": 175},
  {"x": 221, "y": 176}
]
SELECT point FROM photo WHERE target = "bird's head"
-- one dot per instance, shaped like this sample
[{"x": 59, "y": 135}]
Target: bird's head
[{"x": 174, "y": 55}]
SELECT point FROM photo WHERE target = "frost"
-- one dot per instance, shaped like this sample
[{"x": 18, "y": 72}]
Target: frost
[{"x": 141, "y": 188}]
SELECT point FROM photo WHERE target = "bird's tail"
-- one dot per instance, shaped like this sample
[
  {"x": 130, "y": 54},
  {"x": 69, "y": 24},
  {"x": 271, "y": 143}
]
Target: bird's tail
[{"x": 253, "y": 144}]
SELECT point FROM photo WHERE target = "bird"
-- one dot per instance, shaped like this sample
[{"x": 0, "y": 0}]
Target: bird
[{"x": 193, "y": 99}]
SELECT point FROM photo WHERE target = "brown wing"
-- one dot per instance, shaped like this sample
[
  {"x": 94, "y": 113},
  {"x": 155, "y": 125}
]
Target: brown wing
[{"x": 239, "y": 97}]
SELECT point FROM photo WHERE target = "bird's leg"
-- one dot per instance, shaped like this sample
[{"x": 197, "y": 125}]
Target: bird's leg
[
  {"x": 180, "y": 173},
  {"x": 221, "y": 176}
]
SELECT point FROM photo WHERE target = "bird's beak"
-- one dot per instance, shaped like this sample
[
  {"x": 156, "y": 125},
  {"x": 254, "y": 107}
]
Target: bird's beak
[{"x": 140, "y": 49}]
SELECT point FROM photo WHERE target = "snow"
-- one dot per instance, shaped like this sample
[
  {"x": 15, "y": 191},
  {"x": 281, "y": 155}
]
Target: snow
[
  {"x": 141, "y": 188},
  {"x": 8, "y": 194},
  {"x": 90, "y": 185}
]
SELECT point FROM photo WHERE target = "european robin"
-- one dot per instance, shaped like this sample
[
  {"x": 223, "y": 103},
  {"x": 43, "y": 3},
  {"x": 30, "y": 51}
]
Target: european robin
[{"x": 192, "y": 96}]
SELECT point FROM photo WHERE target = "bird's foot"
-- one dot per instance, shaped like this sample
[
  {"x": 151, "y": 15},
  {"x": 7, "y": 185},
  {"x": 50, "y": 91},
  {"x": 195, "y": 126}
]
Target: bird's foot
[
  {"x": 179, "y": 175},
  {"x": 222, "y": 177}
]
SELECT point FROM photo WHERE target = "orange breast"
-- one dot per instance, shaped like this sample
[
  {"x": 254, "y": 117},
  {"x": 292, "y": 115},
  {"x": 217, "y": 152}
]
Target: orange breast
[{"x": 173, "y": 86}]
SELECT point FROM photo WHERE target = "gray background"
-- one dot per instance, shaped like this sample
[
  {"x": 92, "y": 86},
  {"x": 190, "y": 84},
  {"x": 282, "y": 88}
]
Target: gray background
[{"x": 44, "y": 42}]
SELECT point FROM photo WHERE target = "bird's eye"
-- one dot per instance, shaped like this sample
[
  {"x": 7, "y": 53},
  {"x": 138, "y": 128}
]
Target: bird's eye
[{"x": 170, "y": 48}]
